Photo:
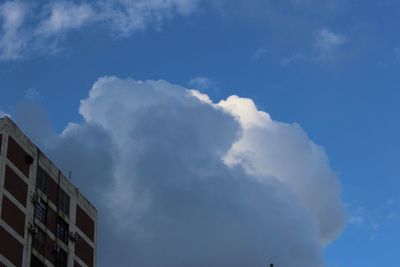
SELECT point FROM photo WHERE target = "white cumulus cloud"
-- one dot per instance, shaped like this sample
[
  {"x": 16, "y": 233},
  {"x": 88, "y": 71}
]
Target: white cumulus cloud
[
  {"x": 197, "y": 182},
  {"x": 284, "y": 151}
]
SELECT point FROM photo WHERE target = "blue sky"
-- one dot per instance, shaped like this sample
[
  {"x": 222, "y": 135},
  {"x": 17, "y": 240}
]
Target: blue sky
[{"x": 330, "y": 66}]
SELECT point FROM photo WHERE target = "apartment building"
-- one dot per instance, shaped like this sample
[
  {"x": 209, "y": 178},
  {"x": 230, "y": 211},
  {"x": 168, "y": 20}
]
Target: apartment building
[{"x": 44, "y": 219}]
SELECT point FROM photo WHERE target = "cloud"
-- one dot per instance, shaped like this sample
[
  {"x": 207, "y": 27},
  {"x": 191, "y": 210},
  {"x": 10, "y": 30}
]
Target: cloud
[
  {"x": 324, "y": 48},
  {"x": 375, "y": 231},
  {"x": 48, "y": 21},
  {"x": 327, "y": 43},
  {"x": 259, "y": 53},
  {"x": 125, "y": 16},
  {"x": 31, "y": 27},
  {"x": 375, "y": 221},
  {"x": 292, "y": 59},
  {"x": 34, "y": 121},
  {"x": 277, "y": 10},
  {"x": 64, "y": 16},
  {"x": 195, "y": 182},
  {"x": 33, "y": 95},
  {"x": 356, "y": 220},
  {"x": 268, "y": 146},
  {"x": 202, "y": 83},
  {"x": 393, "y": 216},
  {"x": 13, "y": 39},
  {"x": 390, "y": 202}
]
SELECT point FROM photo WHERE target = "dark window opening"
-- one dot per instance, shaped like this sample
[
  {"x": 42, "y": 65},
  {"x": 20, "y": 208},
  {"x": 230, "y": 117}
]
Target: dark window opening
[
  {"x": 28, "y": 159},
  {"x": 40, "y": 211},
  {"x": 61, "y": 256},
  {"x": 41, "y": 180},
  {"x": 62, "y": 230},
  {"x": 85, "y": 223},
  {"x": 18, "y": 156},
  {"x": 35, "y": 262},
  {"x": 63, "y": 202},
  {"x": 39, "y": 241}
]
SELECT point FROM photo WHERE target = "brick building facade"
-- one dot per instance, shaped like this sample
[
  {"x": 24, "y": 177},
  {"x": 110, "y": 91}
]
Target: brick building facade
[{"x": 44, "y": 219}]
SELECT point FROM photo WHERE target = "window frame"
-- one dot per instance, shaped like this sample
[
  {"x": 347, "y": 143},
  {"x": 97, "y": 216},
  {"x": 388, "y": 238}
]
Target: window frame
[
  {"x": 39, "y": 241},
  {"x": 61, "y": 257},
  {"x": 64, "y": 202},
  {"x": 42, "y": 180},
  {"x": 40, "y": 211},
  {"x": 62, "y": 230}
]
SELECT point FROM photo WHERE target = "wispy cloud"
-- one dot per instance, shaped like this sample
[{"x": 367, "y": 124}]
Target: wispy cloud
[
  {"x": 47, "y": 22},
  {"x": 327, "y": 42},
  {"x": 374, "y": 228},
  {"x": 33, "y": 94},
  {"x": 356, "y": 219},
  {"x": 202, "y": 83},
  {"x": 65, "y": 16},
  {"x": 373, "y": 220},
  {"x": 40, "y": 25},
  {"x": 259, "y": 53},
  {"x": 324, "y": 48},
  {"x": 13, "y": 39},
  {"x": 293, "y": 59},
  {"x": 126, "y": 16}
]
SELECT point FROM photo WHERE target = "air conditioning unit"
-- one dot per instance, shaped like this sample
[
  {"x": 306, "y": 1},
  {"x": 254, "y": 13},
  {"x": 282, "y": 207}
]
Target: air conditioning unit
[
  {"x": 32, "y": 229},
  {"x": 35, "y": 198},
  {"x": 72, "y": 236}
]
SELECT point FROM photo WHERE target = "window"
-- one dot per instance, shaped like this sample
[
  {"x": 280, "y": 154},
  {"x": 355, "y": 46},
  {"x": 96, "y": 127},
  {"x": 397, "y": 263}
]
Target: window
[
  {"x": 63, "y": 202},
  {"x": 40, "y": 211},
  {"x": 41, "y": 180},
  {"x": 35, "y": 262},
  {"x": 62, "y": 230},
  {"x": 39, "y": 241},
  {"x": 61, "y": 256}
]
